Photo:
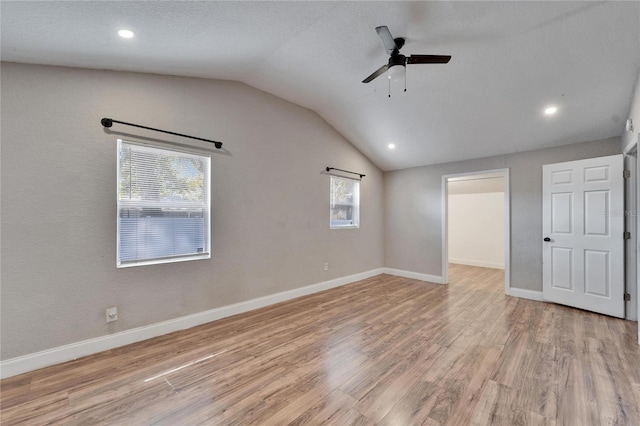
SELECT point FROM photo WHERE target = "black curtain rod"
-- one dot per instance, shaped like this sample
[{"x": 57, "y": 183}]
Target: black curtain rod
[
  {"x": 108, "y": 122},
  {"x": 345, "y": 171}
]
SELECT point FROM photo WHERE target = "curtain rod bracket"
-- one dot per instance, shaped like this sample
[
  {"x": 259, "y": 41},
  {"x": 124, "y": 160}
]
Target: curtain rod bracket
[
  {"x": 108, "y": 122},
  {"x": 345, "y": 171}
]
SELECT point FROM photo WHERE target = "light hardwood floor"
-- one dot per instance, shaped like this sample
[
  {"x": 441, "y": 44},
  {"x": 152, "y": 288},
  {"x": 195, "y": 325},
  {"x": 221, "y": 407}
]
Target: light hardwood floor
[{"x": 386, "y": 350}]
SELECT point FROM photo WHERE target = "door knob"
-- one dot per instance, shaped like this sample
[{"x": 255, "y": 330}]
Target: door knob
[{"x": 547, "y": 239}]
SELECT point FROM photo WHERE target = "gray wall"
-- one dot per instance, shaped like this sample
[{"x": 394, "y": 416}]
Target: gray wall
[
  {"x": 413, "y": 211},
  {"x": 270, "y": 221}
]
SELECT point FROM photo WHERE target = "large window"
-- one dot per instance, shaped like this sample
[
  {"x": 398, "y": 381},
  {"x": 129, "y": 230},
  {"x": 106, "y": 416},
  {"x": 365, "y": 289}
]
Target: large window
[
  {"x": 163, "y": 205},
  {"x": 345, "y": 203}
]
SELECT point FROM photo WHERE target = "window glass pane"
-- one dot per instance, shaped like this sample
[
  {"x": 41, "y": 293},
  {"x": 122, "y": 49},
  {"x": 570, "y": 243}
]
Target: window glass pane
[
  {"x": 345, "y": 200},
  {"x": 163, "y": 205},
  {"x": 152, "y": 174}
]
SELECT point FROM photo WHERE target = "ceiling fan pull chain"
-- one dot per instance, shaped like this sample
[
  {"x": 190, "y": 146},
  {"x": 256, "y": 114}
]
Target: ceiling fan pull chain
[
  {"x": 389, "y": 80},
  {"x": 405, "y": 80}
]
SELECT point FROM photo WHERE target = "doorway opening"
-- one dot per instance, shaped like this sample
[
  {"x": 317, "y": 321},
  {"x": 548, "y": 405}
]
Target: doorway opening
[{"x": 476, "y": 222}]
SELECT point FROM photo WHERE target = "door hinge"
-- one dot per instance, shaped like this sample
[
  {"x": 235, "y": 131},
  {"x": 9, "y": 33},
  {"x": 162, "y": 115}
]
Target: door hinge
[
  {"x": 627, "y": 174},
  {"x": 627, "y": 297},
  {"x": 627, "y": 235}
]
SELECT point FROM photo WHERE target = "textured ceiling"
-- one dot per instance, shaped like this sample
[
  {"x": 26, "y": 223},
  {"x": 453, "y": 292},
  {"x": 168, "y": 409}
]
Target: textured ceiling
[{"x": 510, "y": 60}]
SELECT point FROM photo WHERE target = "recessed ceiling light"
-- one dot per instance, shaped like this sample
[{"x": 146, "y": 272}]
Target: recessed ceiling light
[
  {"x": 125, "y": 33},
  {"x": 550, "y": 110},
  {"x": 391, "y": 146}
]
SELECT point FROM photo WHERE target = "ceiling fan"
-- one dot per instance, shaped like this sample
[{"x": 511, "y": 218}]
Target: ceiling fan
[{"x": 396, "y": 59}]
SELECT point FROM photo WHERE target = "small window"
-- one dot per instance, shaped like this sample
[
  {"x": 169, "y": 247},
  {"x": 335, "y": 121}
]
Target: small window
[
  {"x": 345, "y": 203},
  {"x": 163, "y": 205}
]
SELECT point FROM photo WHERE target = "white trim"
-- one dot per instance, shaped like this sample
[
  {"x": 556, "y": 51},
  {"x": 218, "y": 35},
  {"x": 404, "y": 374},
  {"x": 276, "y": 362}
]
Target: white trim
[
  {"x": 526, "y": 294},
  {"x": 637, "y": 228},
  {"x": 630, "y": 218},
  {"x": 30, "y": 362},
  {"x": 414, "y": 275},
  {"x": 632, "y": 145},
  {"x": 445, "y": 230},
  {"x": 480, "y": 263},
  {"x": 507, "y": 231},
  {"x": 507, "y": 223}
]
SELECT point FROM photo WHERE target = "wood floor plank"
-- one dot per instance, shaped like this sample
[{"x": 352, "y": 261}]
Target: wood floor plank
[
  {"x": 455, "y": 405},
  {"x": 31, "y": 412},
  {"x": 382, "y": 351},
  {"x": 323, "y": 411},
  {"x": 386, "y": 393},
  {"x": 501, "y": 409},
  {"x": 349, "y": 417},
  {"x": 483, "y": 410},
  {"x": 513, "y": 358},
  {"x": 414, "y": 406},
  {"x": 208, "y": 399}
]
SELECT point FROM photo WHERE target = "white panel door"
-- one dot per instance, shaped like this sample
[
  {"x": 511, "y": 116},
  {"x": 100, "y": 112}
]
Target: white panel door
[{"x": 583, "y": 234}]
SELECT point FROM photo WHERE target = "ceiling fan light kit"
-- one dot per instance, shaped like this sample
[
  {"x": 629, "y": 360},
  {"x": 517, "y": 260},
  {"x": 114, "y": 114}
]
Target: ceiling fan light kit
[
  {"x": 397, "y": 72},
  {"x": 396, "y": 67}
]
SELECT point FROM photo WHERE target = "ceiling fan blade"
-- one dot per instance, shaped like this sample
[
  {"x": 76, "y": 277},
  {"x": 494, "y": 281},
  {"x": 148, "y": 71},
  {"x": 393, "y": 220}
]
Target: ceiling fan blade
[
  {"x": 378, "y": 73},
  {"x": 428, "y": 59},
  {"x": 387, "y": 39}
]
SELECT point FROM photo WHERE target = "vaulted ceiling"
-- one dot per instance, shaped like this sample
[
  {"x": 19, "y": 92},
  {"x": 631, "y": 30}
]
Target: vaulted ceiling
[{"x": 510, "y": 60}]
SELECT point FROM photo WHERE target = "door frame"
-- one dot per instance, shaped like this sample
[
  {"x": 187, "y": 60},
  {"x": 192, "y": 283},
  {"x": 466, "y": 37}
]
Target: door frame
[
  {"x": 507, "y": 223},
  {"x": 634, "y": 183},
  {"x": 631, "y": 225}
]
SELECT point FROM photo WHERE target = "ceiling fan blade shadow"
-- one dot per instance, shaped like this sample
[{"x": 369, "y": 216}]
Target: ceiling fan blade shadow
[
  {"x": 387, "y": 39},
  {"x": 428, "y": 59},
  {"x": 378, "y": 73}
]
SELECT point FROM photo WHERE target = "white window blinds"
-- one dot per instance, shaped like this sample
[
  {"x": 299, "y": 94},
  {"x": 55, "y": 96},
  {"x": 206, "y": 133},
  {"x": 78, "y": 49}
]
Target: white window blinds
[{"x": 163, "y": 205}]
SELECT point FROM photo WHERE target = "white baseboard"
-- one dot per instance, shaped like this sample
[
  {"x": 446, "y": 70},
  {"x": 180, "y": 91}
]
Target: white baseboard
[
  {"x": 413, "y": 275},
  {"x": 526, "y": 294},
  {"x": 479, "y": 263},
  {"x": 30, "y": 362}
]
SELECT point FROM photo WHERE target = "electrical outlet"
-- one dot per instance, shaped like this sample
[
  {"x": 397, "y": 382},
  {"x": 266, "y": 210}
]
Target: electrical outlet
[
  {"x": 326, "y": 266},
  {"x": 112, "y": 314}
]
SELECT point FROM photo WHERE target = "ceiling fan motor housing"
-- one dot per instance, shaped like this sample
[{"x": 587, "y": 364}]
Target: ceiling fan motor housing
[{"x": 397, "y": 60}]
